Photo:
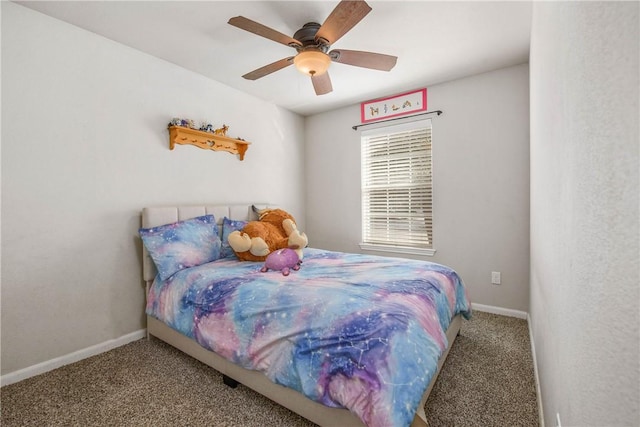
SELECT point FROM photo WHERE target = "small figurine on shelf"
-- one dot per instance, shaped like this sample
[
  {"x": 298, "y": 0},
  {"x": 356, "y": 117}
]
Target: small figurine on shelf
[
  {"x": 207, "y": 127},
  {"x": 186, "y": 123},
  {"x": 221, "y": 131}
]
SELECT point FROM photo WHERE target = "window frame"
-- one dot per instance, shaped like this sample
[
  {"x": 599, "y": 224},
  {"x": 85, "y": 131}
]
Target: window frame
[{"x": 390, "y": 130}]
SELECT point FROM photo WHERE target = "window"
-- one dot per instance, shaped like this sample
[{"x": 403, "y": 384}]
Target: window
[{"x": 397, "y": 213}]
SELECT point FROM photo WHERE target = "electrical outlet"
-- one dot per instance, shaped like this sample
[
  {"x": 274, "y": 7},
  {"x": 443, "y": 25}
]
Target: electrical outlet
[{"x": 495, "y": 277}]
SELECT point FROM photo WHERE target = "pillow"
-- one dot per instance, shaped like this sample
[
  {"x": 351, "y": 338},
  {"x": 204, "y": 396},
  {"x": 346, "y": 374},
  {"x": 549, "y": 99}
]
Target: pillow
[
  {"x": 182, "y": 244},
  {"x": 229, "y": 226}
]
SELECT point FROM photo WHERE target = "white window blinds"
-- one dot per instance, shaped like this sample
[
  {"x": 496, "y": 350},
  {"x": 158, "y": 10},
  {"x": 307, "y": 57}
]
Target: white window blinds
[{"x": 397, "y": 186}]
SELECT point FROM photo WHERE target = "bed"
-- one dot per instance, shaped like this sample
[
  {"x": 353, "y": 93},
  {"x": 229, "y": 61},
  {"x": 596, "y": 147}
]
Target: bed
[{"x": 345, "y": 331}]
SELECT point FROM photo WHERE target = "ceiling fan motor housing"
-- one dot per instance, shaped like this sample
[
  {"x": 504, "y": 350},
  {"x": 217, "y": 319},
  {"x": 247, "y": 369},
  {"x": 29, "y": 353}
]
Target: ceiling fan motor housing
[{"x": 307, "y": 36}]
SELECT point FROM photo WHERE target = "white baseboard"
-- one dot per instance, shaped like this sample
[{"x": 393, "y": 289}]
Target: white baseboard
[
  {"x": 535, "y": 373},
  {"x": 499, "y": 310},
  {"x": 76, "y": 356}
]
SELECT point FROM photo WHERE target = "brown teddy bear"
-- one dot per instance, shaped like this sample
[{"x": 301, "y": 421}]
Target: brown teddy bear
[{"x": 275, "y": 229}]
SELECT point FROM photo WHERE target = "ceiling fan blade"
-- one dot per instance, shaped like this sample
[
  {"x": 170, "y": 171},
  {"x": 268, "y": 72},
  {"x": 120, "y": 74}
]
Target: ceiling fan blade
[
  {"x": 322, "y": 83},
  {"x": 268, "y": 69},
  {"x": 343, "y": 18},
  {"x": 376, "y": 61},
  {"x": 262, "y": 30}
]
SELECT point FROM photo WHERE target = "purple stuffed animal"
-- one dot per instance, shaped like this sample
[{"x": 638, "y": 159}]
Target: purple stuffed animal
[{"x": 283, "y": 259}]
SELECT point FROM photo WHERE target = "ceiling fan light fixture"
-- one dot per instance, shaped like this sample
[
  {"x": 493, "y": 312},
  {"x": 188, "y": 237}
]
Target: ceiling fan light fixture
[{"x": 312, "y": 62}]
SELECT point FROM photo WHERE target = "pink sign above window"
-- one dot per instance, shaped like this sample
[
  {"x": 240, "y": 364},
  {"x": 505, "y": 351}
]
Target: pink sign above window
[{"x": 393, "y": 106}]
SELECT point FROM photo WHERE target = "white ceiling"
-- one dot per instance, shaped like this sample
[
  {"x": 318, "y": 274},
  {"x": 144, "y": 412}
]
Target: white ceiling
[{"x": 434, "y": 42}]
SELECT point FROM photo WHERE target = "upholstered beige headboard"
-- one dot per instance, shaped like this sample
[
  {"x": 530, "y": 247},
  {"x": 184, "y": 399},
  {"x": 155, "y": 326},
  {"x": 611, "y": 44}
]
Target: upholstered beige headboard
[{"x": 155, "y": 216}]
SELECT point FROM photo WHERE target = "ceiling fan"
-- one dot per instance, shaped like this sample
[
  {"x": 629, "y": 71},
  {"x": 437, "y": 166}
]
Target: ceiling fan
[{"x": 312, "y": 42}]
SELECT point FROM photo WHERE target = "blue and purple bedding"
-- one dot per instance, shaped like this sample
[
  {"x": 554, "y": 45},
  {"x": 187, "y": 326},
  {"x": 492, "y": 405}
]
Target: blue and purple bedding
[{"x": 346, "y": 330}]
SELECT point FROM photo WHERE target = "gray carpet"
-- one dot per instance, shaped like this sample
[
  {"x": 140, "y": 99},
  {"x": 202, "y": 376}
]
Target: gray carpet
[{"x": 487, "y": 380}]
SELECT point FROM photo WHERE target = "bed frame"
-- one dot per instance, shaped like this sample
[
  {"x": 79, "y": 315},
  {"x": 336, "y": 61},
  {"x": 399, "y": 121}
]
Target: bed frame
[{"x": 233, "y": 374}]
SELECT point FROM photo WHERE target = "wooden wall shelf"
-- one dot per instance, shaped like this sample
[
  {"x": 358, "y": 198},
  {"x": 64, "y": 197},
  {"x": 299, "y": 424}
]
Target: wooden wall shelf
[{"x": 206, "y": 140}]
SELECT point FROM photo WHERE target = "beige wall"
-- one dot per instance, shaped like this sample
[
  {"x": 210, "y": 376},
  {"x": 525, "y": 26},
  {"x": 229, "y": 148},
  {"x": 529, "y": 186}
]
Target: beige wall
[
  {"x": 481, "y": 182},
  {"x": 84, "y": 148},
  {"x": 584, "y": 211}
]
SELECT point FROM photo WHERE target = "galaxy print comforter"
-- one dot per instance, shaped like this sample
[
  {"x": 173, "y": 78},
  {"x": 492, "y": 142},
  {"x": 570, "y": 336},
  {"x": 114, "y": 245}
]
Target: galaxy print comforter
[{"x": 346, "y": 330}]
